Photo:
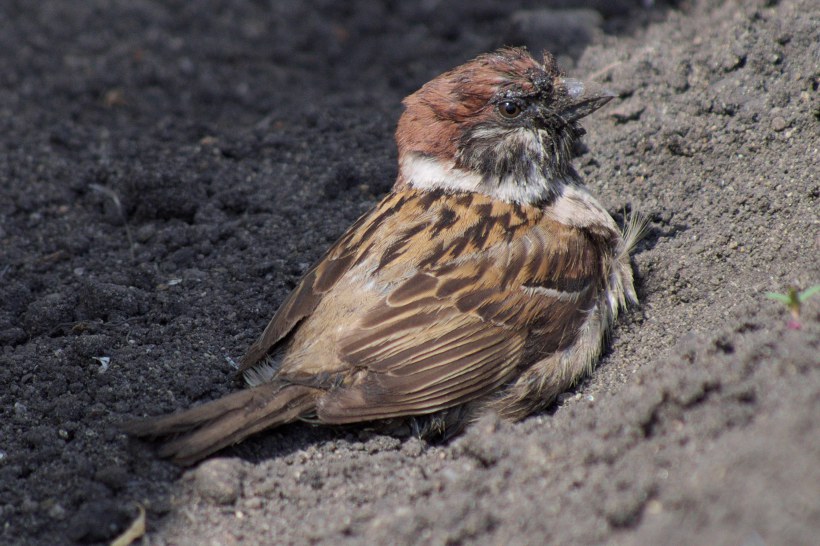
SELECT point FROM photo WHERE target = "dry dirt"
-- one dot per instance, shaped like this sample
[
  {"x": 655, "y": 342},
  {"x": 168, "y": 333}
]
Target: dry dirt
[{"x": 169, "y": 169}]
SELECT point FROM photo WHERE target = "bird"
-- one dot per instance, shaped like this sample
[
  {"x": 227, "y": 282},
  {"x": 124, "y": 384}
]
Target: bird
[{"x": 485, "y": 281}]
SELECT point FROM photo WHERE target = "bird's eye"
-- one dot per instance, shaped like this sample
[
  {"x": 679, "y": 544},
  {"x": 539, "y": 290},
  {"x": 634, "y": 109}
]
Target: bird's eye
[{"x": 509, "y": 109}]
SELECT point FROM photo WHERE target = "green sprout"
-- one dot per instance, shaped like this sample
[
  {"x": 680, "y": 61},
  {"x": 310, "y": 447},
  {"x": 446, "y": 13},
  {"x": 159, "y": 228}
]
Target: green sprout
[{"x": 793, "y": 300}]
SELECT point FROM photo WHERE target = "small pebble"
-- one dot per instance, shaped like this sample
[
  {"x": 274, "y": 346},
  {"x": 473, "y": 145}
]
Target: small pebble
[
  {"x": 219, "y": 480},
  {"x": 57, "y": 512},
  {"x": 413, "y": 447},
  {"x": 778, "y": 124}
]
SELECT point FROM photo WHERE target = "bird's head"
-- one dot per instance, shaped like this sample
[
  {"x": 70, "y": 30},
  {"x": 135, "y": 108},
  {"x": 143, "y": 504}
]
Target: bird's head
[{"x": 502, "y": 124}]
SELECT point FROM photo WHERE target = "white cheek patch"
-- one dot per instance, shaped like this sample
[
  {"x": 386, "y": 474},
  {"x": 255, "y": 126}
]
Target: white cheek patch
[{"x": 426, "y": 173}]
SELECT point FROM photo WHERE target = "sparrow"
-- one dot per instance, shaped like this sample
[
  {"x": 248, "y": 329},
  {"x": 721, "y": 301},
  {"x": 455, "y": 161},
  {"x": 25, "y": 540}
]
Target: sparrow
[{"x": 485, "y": 281}]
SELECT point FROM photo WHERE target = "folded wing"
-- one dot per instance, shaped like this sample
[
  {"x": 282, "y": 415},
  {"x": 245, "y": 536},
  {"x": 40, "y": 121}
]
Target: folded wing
[{"x": 495, "y": 296}]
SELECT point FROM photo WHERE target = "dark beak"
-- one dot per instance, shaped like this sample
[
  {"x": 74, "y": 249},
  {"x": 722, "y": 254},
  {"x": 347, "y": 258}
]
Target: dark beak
[
  {"x": 584, "y": 107},
  {"x": 582, "y": 101}
]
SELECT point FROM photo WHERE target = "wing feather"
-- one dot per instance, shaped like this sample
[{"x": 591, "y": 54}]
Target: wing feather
[
  {"x": 380, "y": 395},
  {"x": 465, "y": 295}
]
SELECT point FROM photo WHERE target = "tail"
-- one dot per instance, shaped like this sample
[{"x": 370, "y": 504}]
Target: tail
[{"x": 212, "y": 426}]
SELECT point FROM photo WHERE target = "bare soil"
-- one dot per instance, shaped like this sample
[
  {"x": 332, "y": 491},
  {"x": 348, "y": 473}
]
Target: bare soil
[{"x": 169, "y": 169}]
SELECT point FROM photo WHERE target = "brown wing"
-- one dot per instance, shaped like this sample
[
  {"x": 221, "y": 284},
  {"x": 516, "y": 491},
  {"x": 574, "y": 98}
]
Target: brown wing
[
  {"x": 321, "y": 278},
  {"x": 495, "y": 291}
]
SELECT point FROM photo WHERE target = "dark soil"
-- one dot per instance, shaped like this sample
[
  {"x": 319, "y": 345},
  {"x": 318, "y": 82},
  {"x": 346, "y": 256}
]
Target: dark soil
[{"x": 169, "y": 169}]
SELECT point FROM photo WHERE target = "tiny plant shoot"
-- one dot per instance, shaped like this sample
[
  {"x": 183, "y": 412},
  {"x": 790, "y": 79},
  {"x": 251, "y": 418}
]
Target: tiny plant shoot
[{"x": 793, "y": 300}]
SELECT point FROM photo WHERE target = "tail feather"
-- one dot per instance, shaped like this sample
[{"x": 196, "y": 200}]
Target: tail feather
[{"x": 212, "y": 426}]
